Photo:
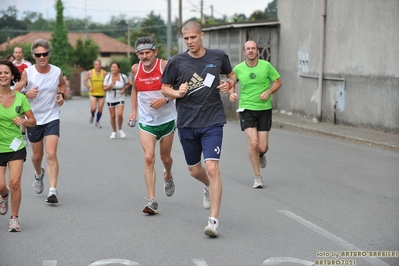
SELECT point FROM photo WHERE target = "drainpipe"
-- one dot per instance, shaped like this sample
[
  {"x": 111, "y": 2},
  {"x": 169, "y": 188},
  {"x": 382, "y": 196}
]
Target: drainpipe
[
  {"x": 335, "y": 113},
  {"x": 321, "y": 64}
]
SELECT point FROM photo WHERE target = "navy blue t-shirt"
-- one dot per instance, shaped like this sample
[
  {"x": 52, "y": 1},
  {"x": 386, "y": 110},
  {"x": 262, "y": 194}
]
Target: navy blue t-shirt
[{"x": 202, "y": 105}]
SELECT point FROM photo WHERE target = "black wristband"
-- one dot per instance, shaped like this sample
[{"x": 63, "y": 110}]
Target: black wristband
[{"x": 62, "y": 94}]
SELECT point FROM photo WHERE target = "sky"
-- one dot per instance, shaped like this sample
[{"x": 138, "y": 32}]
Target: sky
[{"x": 101, "y": 11}]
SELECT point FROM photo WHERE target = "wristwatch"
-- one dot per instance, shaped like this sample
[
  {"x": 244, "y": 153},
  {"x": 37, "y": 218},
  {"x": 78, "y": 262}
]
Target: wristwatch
[
  {"x": 167, "y": 99},
  {"x": 62, "y": 94}
]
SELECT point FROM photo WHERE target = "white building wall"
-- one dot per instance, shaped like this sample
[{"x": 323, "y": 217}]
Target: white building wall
[{"x": 361, "y": 61}]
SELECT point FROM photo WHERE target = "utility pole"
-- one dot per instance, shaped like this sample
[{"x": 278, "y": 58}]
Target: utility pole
[
  {"x": 169, "y": 30},
  {"x": 128, "y": 39},
  {"x": 85, "y": 14},
  {"x": 202, "y": 12},
  {"x": 180, "y": 16}
]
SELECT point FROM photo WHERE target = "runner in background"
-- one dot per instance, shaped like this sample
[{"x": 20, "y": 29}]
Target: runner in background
[{"x": 96, "y": 91}]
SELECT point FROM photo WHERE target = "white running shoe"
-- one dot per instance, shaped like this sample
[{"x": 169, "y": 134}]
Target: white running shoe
[
  {"x": 151, "y": 207},
  {"x": 212, "y": 228},
  {"x": 258, "y": 182},
  {"x": 122, "y": 134},
  {"x": 113, "y": 135},
  {"x": 262, "y": 161},
  {"x": 14, "y": 224},
  {"x": 52, "y": 196}
]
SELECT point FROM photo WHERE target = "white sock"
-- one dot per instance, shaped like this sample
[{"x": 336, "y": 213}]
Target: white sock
[
  {"x": 38, "y": 176},
  {"x": 216, "y": 221}
]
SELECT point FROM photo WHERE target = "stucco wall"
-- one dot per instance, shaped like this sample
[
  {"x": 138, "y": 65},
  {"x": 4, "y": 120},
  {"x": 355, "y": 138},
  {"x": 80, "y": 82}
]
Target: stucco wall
[{"x": 361, "y": 52}]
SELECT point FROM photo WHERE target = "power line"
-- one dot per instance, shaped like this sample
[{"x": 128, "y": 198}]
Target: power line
[{"x": 122, "y": 28}]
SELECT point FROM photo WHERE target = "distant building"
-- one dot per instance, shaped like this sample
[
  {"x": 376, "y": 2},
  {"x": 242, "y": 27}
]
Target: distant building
[{"x": 109, "y": 47}]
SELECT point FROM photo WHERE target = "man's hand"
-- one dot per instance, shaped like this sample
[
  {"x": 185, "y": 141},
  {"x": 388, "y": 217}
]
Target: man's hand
[
  {"x": 32, "y": 94},
  {"x": 60, "y": 99},
  {"x": 183, "y": 88},
  {"x": 157, "y": 103},
  {"x": 225, "y": 86},
  {"x": 233, "y": 97},
  {"x": 265, "y": 95}
]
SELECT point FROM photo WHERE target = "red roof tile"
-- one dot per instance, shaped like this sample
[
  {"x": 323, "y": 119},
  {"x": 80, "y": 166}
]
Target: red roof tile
[{"x": 107, "y": 44}]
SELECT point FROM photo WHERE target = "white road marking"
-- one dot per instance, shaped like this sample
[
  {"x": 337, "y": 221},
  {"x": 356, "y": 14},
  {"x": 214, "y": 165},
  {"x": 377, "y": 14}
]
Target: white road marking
[
  {"x": 332, "y": 237},
  {"x": 199, "y": 262},
  {"x": 278, "y": 260},
  {"x": 49, "y": 263},
  {"x": 114, "y": 261}
]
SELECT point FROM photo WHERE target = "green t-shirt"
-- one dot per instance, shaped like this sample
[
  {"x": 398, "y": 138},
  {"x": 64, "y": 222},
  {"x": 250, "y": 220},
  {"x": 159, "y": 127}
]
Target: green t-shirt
[
  {"x": 254, "y": 81},
  {"x": 8, "y": 129}
]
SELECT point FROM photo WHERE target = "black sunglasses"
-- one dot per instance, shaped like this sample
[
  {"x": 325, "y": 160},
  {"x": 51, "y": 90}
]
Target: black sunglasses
[{"x": 42, "y": 54}]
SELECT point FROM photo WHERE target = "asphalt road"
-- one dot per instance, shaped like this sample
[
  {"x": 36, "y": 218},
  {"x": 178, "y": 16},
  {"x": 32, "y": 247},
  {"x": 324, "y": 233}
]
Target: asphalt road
[{"x": 323, "y": 196}]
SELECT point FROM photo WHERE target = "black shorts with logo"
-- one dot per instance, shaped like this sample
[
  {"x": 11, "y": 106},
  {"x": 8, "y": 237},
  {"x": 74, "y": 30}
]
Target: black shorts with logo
[
  {"x": 5, "y": 157},
  {"x": 262, "y": 120}
]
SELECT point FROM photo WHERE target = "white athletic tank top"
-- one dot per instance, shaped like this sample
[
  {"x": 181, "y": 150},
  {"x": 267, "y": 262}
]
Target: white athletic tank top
[{"x": 44, "y": 106}]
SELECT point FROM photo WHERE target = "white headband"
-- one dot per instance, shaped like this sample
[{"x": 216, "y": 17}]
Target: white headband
[{"x": 145, "y": 46}]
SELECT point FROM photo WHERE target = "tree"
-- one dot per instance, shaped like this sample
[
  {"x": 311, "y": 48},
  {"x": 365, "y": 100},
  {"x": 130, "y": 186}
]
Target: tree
[
  {"x": 84, "y": 53},
  {"x": 10, "y": 26},
  {"x": 258, "y": 15},
  {"x": 59, "y": 40},
  {"x": 36, "y": 22},
  {"x": 271, "y": 10},
  {"x": 154, "y": 26},
  {"x": 239, "y": 17}
]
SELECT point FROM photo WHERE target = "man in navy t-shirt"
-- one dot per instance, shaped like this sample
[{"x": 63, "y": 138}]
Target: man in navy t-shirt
[{"x": 192, "y": 78}]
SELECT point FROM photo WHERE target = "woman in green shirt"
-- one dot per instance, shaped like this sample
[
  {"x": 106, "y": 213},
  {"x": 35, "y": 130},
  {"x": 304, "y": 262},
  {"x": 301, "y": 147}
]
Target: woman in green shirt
[{"x": 14, "y": 112}]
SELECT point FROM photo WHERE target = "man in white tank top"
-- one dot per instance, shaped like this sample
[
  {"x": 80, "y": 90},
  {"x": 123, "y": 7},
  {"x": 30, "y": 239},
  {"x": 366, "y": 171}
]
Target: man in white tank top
[{"x": 45, "y": 88}]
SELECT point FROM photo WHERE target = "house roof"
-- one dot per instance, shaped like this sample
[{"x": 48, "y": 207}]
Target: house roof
[{"x": 107, "y": 44}]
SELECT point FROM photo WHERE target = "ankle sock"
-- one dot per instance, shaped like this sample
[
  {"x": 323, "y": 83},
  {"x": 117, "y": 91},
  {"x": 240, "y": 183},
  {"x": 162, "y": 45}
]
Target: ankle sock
[
  {"x": 98, "y": 117},
  {"x": 38, "y": 177},
  {"x": 215, "y": 221}
]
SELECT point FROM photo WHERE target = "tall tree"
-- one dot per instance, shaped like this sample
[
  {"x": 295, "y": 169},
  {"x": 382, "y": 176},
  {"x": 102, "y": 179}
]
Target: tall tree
[
  {"x": 154, "y": 25},
  {"x": 36, "y": 22},
  {"x": 59, "y": 40},
  {"x": 84, "y": 54},
  {"x": 10, "y": 26},
  {"x": 271, "y": 10},
  {"x": 257, "y": 15}
]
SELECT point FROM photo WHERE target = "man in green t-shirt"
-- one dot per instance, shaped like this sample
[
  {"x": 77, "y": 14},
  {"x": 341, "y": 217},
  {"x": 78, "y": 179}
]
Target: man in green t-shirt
[{"x": 255, "y": 107}]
